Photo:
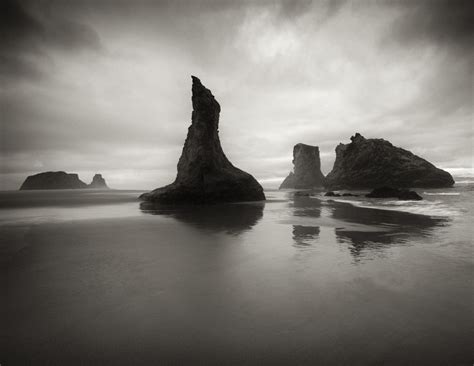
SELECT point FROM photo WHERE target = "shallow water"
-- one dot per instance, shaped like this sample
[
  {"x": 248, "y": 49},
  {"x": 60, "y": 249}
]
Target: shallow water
[{"x": 98, "y": 277}]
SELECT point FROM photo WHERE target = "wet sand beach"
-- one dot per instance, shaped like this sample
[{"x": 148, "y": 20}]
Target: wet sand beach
[{"x": 295, "y": 280}]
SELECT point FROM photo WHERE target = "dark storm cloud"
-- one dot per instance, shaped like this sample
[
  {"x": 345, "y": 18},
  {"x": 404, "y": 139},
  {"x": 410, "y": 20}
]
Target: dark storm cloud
[
  {"x": 28, "y": 33},
  {"x": 293, "y": 8},
  {"x": 448, "y": 23},
  {"x": 446, "y": 29}
]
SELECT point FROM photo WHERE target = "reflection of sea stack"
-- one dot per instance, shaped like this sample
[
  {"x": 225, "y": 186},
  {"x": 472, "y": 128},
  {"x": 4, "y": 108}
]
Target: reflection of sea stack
[
  {"x": 98, "y": 182},
  {"x": 204, "y": 173},
  {"x": 305, "y": 235},
  {"x": 397, "y": 226},
  {"x": 232, "y": 218},
  {"x": 369, "y": 163},
  {"x": 307, "y": 168},
  {"x": 53, "y": 180}
]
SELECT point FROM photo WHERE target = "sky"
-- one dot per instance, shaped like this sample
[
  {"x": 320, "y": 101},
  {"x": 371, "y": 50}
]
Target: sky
[{"x": 105, "y": 86}]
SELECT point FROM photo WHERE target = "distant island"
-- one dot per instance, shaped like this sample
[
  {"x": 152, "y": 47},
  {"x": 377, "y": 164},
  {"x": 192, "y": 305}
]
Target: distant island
[{"x": 61, "y": 180}]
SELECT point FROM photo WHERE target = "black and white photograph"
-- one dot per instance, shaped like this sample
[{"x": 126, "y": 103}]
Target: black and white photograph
[{"x": 237, "y": 182}]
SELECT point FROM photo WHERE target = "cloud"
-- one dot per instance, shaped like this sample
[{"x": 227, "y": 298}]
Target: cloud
[
  {"x": 30, "y": 32},
  {"x": 443, "y": 32},
  {"x": 104, "y": 86},
  {"x": 442, "y": 22}
]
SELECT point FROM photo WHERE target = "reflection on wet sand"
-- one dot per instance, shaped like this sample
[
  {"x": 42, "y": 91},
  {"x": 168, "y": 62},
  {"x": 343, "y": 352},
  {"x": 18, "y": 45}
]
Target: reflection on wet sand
[
  {"x": 230, "y": 218},
  {"x": 305, "y": 235},
  {"x": 306, "y": 206},
  {"x": 364, "y": 229},
  {"x": 402, "y": 226}
]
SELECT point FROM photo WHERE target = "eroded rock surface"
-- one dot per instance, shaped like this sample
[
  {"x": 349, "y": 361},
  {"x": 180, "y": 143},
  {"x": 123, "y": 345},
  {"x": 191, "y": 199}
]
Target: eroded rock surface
[
  {"x": 307, "y": 168},
  {"x": 368, "y": 163},
  {"x": 205, "y": 174}
]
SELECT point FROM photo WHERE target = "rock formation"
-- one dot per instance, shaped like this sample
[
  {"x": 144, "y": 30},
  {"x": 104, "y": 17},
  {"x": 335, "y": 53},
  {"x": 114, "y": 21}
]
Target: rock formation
[
  {"x": 333, "y": 194},
  {"x": 368, "y": 163},
  {"x": 98, "y": 182},
  {"x": 53, "y": 180},
  {"x": 204, "y": 173},
  {"x": 307, "y": 168},
  {"x": 389, "y": 192}
]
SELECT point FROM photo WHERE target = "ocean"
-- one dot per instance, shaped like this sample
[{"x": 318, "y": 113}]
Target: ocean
[{"x": 97, "y": 277}]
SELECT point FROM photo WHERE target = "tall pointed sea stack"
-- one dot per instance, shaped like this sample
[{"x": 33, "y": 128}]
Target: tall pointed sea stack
[
  {"x": 369, "y": 163},
  {"x": 204, "y": 173},
  {"x": 307, "y": 168}
]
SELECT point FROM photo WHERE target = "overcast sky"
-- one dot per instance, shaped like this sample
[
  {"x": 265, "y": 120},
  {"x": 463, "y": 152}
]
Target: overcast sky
[{"x": 105, "y": 86}]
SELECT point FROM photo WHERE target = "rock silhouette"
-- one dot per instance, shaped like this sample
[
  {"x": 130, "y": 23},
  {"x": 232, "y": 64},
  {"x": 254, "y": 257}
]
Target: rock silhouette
[
  {"x": 53, "y": 180},
  {"x": 389, "y": 192},
  {"x": 368, "y": 163},
  {"x": 205, "y": 175},
  {"x": 98, "y": 182},
  {"x": 307, "y": 168},
  {"x": 334, "y": 194}
]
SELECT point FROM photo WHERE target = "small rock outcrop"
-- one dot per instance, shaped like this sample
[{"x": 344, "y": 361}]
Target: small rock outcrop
[
  {"x": 389, "y": 192},
  {"x": 53, "y": 180},
  {"x": 205, "y": 175},
  {"x": 333, "y": 194},
  {"x": 368, "y": 163},
  {"x": 98, "y": 182},
  {"x": 307, "y": 168}
]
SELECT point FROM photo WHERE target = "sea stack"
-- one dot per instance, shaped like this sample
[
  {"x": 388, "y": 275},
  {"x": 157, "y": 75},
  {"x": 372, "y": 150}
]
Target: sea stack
[
  {"x": 53, "y": 180},
  {"x": 369, "y": 163},
  {"x": 205, "y": 175},
  {"x": 98, "y": 182},
  {"x": 307, "y": 168}
]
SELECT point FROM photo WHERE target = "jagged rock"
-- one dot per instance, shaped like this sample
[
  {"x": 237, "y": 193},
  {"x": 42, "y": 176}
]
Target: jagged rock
[
  {"x": 53, "y": 180},
  {"x": 98, "y": 182},
  {"x": 367, "y": 163},
  {"x": 389, "y": 192},
  {"x": 307, "y": 168},
  {"x": 332, "y": 194},
  {"x": 205, "y": 174}
]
